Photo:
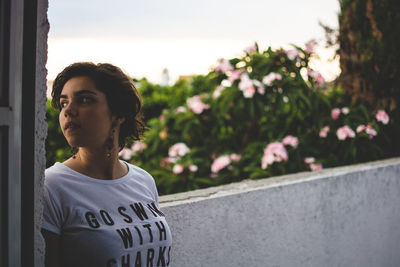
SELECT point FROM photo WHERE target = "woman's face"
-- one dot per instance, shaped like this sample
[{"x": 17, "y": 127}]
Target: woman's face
[{"x": 85, "y": 117}]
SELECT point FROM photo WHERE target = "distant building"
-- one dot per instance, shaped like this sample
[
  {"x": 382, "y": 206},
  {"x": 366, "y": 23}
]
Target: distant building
[{"x": 165, "y": 77}]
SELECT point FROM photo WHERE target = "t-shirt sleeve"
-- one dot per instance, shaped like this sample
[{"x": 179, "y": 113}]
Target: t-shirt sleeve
[
  {"x": 155, "y": 191},
  {"x": 52, "y": 212},
  {"x": 149, "y": 182}
]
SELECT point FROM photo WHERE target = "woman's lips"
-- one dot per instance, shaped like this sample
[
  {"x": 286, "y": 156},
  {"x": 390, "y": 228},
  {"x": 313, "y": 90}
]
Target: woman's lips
[{"x": 71, "y": 126}]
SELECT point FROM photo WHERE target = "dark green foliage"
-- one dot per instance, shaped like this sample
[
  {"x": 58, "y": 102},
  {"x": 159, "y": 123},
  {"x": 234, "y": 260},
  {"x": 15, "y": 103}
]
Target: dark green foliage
[{"x": 56, "y": 146}]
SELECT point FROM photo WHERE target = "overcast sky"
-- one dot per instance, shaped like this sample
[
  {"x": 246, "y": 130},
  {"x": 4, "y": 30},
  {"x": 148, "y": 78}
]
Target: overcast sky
[{"x": 185, "y": 36}]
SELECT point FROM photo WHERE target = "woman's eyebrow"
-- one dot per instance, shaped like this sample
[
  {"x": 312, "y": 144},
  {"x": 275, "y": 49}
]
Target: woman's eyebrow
[{"x": 81, "y": 92}]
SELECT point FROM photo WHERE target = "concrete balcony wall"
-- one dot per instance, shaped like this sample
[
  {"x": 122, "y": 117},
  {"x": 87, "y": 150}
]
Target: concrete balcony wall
[{"x": 346, "y": 216}]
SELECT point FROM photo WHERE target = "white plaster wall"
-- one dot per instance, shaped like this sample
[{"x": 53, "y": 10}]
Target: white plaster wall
[
  {"x": 346, "y": 216},
  {"x": 40, "y": 125}
]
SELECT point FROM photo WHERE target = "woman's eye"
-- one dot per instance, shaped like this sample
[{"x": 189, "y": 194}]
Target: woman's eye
[
  {"x": 85, "y": 100},
  {"x": 63, "y": 104}
]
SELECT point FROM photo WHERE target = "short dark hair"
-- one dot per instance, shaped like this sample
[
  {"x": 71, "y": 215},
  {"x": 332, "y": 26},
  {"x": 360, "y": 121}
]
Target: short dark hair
[{"x": 123, "y": 98}]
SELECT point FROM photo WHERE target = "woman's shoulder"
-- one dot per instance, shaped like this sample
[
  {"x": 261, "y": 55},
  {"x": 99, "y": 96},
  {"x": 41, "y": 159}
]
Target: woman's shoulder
[
  {"x": 55, "y": 168},
  {"x": 142, "y": 176},
  {"x": 140, "y": 173},
  {"x": 138, "y": 170},
  {"x": 58, "y": 176},
  {"x": 54, "y": 171}
]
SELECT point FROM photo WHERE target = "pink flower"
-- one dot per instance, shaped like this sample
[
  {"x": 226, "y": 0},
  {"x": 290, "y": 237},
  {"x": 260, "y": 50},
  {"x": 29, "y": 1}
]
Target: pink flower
[
  {"x": 290, "y": 141},
  {"x": 313, "y": 166},
  {"x": 235, "y": 75},
  {"x": 316, "y": 76},
  {"x": 292, "y": 54},
  {"x": 172, "y": 159},
  {"x": 245, "y": 81},
  {"x": 178, "y": 150},
  {"x": 316, "y": 166},
  {"x": 193, "y": 168},
  {"x": 249, "y": 92},
  {"x": 310, "y": 45},
  {"x": 235, "y": 157},
  {"x": 246, "y": 86},
  {"x": 125, "y": 153},
  {"x": 260, "y": 86},
  {"x": 274, "y": 152},
  {"x": 177, "y": 169},
  {"x": 341, "y": 134},
  {"x": 323, "y": 133},
  {"x": 335, "y": 113},
  {"x": 370, "y": 131},
  {"x": 138, "y": 147},
  {"x": 345, "y": 132},
  {"x": 179, "y": 110},
  {"x": 162, "y": 117},
  {"x": 196, "y": 105},
  {"x": 267, "y": 80},
  {"x": 360, "y": 128},
  {"x": 166, "y": 161},
  {"x": 309, "y": 160},
  {"x": 220, "y": 163},
  {"x": 224, "y": 66},
  {"x": 267, "y": 159},
  {"x": 382, "y": 116},
  {"x": 345, "y": 110},
  {"x": 278, "y": 150},
  {"x": 217, "y": 91}
]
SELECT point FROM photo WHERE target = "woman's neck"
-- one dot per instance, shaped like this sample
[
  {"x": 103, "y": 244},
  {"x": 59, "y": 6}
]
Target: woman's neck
[{"x": 99, "y": 164}]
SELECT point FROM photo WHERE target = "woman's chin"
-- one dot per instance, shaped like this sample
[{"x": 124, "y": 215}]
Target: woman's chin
[{"x": 74, "y": 143}]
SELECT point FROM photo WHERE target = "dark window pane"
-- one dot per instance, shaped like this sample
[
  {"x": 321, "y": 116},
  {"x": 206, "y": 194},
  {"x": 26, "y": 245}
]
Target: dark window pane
[
  {"x": 4, "y": 51},
  {"x": 3, "y": 194}
]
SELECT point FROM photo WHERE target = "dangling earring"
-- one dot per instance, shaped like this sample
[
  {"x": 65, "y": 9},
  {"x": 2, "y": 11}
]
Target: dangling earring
[
  {"x": 110, "y": 143},
  {"x": 74, "y": 151}
]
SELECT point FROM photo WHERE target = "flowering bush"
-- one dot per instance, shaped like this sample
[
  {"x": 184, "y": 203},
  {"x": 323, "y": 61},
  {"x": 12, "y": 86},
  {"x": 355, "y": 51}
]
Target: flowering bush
[{"x": 266, "y": 113}]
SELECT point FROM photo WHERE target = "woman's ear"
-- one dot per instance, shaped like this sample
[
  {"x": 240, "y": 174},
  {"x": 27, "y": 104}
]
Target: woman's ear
[
  {"x": 121, "y": 120},
  {"x": 117, "y": 121}
]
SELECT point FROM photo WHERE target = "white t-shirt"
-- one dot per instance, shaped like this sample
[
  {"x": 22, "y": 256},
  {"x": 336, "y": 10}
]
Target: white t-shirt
[{"x": 106, "y": 222}]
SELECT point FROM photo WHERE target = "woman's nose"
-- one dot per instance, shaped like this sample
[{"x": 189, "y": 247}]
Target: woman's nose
[{"x": 70, "y": 110}]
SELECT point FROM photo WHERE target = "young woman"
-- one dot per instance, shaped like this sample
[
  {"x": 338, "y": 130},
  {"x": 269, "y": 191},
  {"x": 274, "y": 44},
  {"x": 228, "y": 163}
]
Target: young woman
[{"x": 99, "y": 210}]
